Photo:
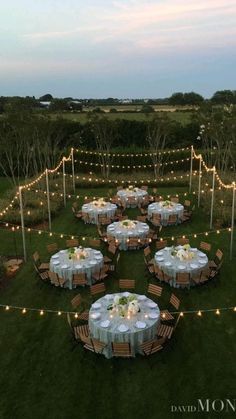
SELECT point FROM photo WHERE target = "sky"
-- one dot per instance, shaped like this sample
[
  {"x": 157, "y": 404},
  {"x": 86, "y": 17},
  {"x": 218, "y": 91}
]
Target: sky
[{"x": 120, "y": 48}]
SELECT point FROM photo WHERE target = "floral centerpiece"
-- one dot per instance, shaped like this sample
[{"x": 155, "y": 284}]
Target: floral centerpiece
[
  {"x": 77, "y": 253},
  {"x": 99, "y": 203},
  {"x": 183, "y": 253},
  {"x": 124, "y": 306},
  {"x": 166, "y": 204},
  {"x": 131, "y": 188},
  {"x": 128, "y": 224}
]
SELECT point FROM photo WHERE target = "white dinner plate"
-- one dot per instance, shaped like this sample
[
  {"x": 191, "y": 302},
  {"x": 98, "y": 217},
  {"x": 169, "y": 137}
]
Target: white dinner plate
[
  {"x": 78, "y": 266},
  {"x": 167, "y": 263},
  {"x": 142, "y": 297},
  {"x": 98, "y": 257},
  {"x": 160, "y": 253},
  {"x": 126, "y": 294},
  {"x": 108, "y": 296},
  {"x": 153, "y": 315},
  {"x": 123, "y": 328},
  {"x": 96, "y": 305},
  {"x": 93, "y": 262},
  {"x": 105, "y": 323},
  {"x": 96, "y": 252},
  {"x": 202, "y": 255},
  {"x": 159, "y": 259},
  {"x": 151, "y": 304},
  {"x": 64, "y": 266},
  {"x": 62, "y": 251},
  {"x": 55, "y": 256},
  {"x": 95, "y": 316},
  {"x": 56, "y": 262},
  {"x": 140, "y": 325},
  {"x": 181, "y": 267},
  {"x": 202, "y": 262},
  {"x": 193, "y": 265}
]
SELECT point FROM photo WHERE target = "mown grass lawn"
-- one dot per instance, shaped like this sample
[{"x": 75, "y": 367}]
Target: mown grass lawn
[{"x": 42, "y": 376}]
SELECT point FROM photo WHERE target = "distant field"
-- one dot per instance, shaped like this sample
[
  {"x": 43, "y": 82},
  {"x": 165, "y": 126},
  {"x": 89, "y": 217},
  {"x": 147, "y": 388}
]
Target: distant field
[{"x": 182, "y": 117}]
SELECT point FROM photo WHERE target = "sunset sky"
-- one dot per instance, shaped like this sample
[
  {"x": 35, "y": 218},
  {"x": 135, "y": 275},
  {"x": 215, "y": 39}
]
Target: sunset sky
[{"x": 125, "y": 48}]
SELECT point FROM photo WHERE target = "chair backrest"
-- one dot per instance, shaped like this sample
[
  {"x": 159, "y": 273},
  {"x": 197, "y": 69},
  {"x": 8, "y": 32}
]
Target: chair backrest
[
  {"x": 156, "y": 216},
  {"x": 94, "y": 242},
  {"x": 36, "y": 256},
  {"x": 182, "y": 241},
  {"x": 219, "y": 254},
  {"x": 187, "y": 203},
  {"x": 79, "y": 279},
  {"x": 144, "y": 187},
  {"x": 160, "y": 244},
  {"x": 147, "y": 251},
  {"x": 112, "y": 249},
  {"x": 172, "y": 218},
  {"x": 121, "y": 349},
  {"x": 154, "y": 289},
  {"x": 205, "y": 246},
  {"x": 127, "y": 283},
  {"x": 182, "y": 278},
  {"x": 174, "y": 301},
  {"x": 72, "y": 243},
  {"x": 97, "y": 288},
  {"x": 76, "y": 301},
  {"x": 53, "y": 278},
  {"x": 174, "y": 199},
  {"x": 53, "y": 247}
]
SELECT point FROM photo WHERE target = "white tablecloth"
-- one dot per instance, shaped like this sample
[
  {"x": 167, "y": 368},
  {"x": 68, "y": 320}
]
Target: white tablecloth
[
  {"x": 93, "y": 211},
  {"x": 171, "y": 265},
  {"x": 139, "y": 194},
  {"x": 133, "y": 335},
  {"x": 157, "y": 208},
  {"x": 65, "y": 267},
  {"x": 122, "y": 234}
]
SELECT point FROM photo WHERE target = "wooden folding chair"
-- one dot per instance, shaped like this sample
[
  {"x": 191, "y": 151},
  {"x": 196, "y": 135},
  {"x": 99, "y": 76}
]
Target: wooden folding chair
[
  {"x": 94, "y": 242},
  {"x": 79, "y": 279},
  {"x": 42, "y": 266},
  {"x": 133, "y": 243},
  {"x": 182, "y": 279},
  {"x": 174, "y": 199},
  {"x": 156, "y": 220},
  {"x": 121, "y": 350},
  {"x": 172, "y": 220},
  {"x": 165, "y": 331},
  {"x": 72, "y": 243},
  {"x": 76, "y": 301},
  {"x": 93, "y": 345},
  {"x": 54, "y": 279},
  {"x": 141, "y": 218},
  {"x": 97, "y": 289},
  {"x": 152, "y": 346},
  {"x": 205, "y": 246},
  {"x": 52, "y": 248},
  {"x": 175, "y": 303},
  {"x": 101, "y": 274},
  {"x": 182, "y": 241},
  {"x": 213, "y": 264},
  {"x": 126, "y": 284},
  {"x": 161, "y": 244},
  {"x": 154, "y": 290}
]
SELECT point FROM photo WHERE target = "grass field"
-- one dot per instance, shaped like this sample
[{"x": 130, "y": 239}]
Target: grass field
[
  {"x": 182, "y": 117},
  {"x": 42, "y": 376}
]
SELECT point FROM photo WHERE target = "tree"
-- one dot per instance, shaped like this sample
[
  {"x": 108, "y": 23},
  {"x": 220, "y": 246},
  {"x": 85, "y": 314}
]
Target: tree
[
  {"x": 158, "y": 131},
  {"x": 46, "y": 98},
  {"x": 147, "y": 109},
  {"x": 189, "y": 98},
  {"x": 226, "y": 97},
  {"x": 105, "y": 133},
  {"x": 59, "y": 105},
  {"x": 176, "y": 99}
]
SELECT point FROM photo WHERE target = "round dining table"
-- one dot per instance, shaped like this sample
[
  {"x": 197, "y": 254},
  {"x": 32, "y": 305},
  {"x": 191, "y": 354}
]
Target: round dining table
[
  {"x": 65, "y": 267},
  {"x": 136, "y": 194},
  {"x": 171, "y": 265},
  {"x": 109, "y": 327},
  {"x": 94, "y": 210},
  {"x": 165, "y": 211},
  {"x": 122, "y": 234}
]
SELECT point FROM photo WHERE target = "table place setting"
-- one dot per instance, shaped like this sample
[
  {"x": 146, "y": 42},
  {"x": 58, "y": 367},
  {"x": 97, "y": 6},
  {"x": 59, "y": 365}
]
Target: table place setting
[
  {"x": 123, "y": 317},
  {"x": 76, "y": 260},
  {"x": 131, "y": 192},
  {"x": 179, "y": 258},
  {"x": 165, "y": 209},
  {"x": 126, "y": 229},
  {"x": 99, "y": 207}
]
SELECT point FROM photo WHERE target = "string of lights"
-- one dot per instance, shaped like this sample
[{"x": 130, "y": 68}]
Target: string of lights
[
  {"x": 137, "y": 166},
  {"x": 15, "y": 227},
  {"x": 42, "y": 311},
  {"x": 142, "y": 154}
]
